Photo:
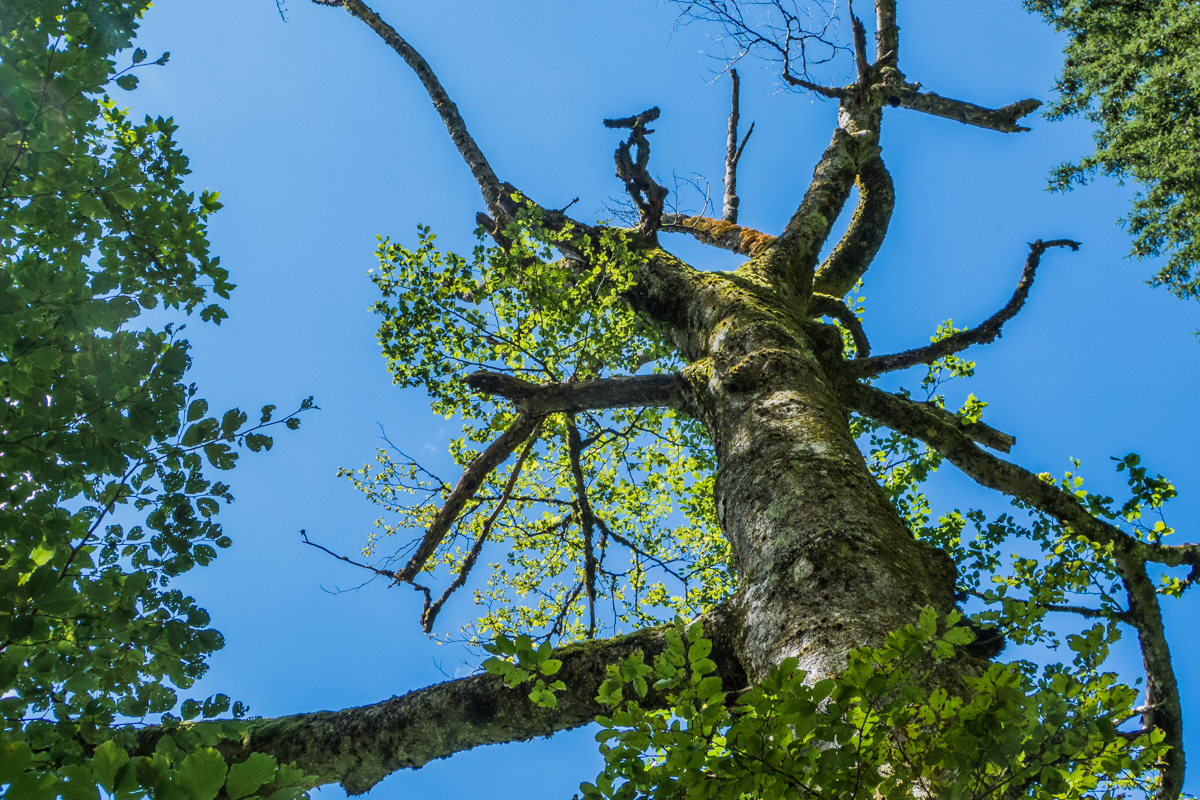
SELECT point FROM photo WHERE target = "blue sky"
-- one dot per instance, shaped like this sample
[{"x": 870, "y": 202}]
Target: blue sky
[{"x": 319, "y": 138}]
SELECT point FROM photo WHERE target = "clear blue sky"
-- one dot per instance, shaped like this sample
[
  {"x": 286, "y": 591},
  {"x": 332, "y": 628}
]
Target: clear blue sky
[{"x": 318, "y": 138}]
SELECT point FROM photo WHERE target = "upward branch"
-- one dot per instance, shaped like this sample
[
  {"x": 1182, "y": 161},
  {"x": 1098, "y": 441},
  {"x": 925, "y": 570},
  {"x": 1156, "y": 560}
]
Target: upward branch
[
  {"x": 489, "y": 184},
  {"x": 982, "y": 334}
]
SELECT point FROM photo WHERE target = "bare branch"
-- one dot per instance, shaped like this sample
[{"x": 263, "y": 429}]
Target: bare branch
[
  {"x": 385, "y": 573},
  {"x": 733, "y": 153},
  {"x": 985, "y": 333},
  {"x": 860, "y": 47},
  {"x": 853, "y": 255},
  {"x": 998, "y": 119},
  {"x": 645, "y": 191},
  {"x": 718, "y": 233},
  {"x": 540, "y": 399},
  {"x": 822, "y": 305},
  {"x": 887, "y": 33},
  {"x": 489, "y": 184},
  {"x": 472, "y": 478},
  {"x": 430, "y": 612}
]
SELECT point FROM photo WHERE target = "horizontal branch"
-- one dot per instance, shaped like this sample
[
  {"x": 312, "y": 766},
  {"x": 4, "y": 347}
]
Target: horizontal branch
[
  {"x": 664, "y": 391},
  {"x": 472, "y": 478},
  {"x": 955, "y": 443},
  {"x": 358, "y": 747},
  {"x": 717, "y": 233},
  {"x": 983, "y": 334},
  {"x": 979, "y": 432},
  {"x": 996, "y": 119}
]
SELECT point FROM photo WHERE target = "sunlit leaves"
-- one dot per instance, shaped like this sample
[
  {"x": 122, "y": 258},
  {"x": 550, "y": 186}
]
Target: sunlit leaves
[{"x": 648, "y": 472}]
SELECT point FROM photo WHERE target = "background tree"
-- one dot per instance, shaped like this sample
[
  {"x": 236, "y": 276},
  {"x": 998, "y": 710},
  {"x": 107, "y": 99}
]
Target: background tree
[
  {"x": 1129, "y": 70},
  {"x": 102, "y": 446}
]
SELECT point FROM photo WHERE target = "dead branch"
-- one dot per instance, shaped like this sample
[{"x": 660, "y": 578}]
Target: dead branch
[
  {"x": 733, "y": 153},
  {"x": 860, "y": 48},
  {"x": 823, "y": 305},
  {"x": 646, "y": 193},
  {"x": 431, "y": 610},
  {"x": 998, "y": 119},
  {"x": 985, "y": 333},
  {"x": 887, "y": 33},
  {"x": 852, "y": 256},
  {"x": 385, "y": 573},
  {"x": 472, "y": 478},
  {"x": 548, "y": 398}
]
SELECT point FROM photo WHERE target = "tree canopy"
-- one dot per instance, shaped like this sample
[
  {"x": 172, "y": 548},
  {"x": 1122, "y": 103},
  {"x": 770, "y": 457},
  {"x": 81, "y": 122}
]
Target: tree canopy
[{"x": 645, "y": 441}]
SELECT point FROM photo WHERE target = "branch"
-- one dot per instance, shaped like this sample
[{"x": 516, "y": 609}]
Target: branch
[
  {"x": 998, "y": 119},
  {"x": 733, "y": 154},
  {"x": 917, "y": 420},
  {"x": 358, "y": 747},
  {"x": 983, "y": 334},
  {"x": 853, "y": 255},
  {"x": 1165, "y": 712},
  {"x": 587, "y": 521},
  {"x": 489, "y": 184},
  {"x": 822, "y": 305},
  {"x": 534, "y": 399},
  {"x": 887, "y": 32},
  {"x": 472, "y": 478},
  {"x": 431, "y": 610},
  {"x": 718, "y": 233},
  {"x": 645, "y": 191}
]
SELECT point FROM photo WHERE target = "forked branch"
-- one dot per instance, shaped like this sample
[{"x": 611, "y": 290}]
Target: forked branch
[
  {"x": 982, "y": 334},
  {"x": 431, "y": 610},
  {"x": 1003, "y": 119}
]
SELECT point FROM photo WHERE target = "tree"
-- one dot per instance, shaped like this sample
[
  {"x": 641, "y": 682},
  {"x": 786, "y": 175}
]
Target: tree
[
  {"x": 105, "y": 501},
  {"x": 1128, "y": 71},
  {"x": 357, "y": 763}
]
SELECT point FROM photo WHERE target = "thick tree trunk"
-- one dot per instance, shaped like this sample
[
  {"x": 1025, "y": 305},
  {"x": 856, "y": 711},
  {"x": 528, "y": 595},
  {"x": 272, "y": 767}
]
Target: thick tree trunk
[{"x": 824, "y": 562}]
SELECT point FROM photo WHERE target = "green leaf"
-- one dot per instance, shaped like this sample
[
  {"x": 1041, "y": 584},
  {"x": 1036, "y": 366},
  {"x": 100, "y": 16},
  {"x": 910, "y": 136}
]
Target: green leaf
[
  {"x": 128, "y": 83},
  {"x": 202, "y": 774},
  {"x": 246, "y": 777},
  {"x": 107, "y": 759},
  {"x": 139, "y": 55},
  {"x": 928, "y": 621}
]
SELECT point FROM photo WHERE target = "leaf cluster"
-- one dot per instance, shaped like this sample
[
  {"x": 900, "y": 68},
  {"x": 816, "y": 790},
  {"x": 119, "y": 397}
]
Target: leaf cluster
[{"x": 878, "y": 730}]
